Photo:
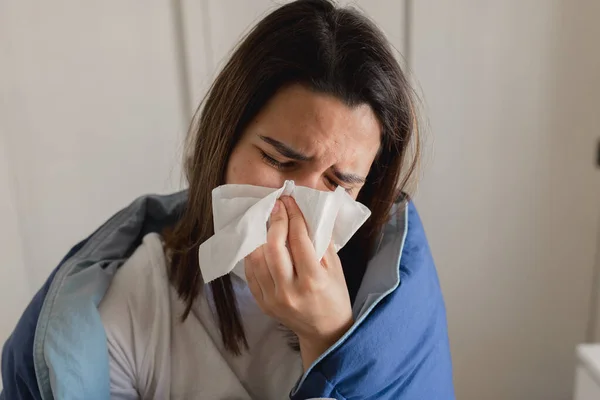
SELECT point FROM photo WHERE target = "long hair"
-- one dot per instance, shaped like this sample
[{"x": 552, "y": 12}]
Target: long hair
[{"x": 330, "y": 50}]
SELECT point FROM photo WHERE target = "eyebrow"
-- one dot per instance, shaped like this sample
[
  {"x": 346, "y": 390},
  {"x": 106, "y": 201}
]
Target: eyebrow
[
  {"x": 285, "y": 150},
  {"x": 289, "y": 152},
  {"x": 350, "y": 179}
]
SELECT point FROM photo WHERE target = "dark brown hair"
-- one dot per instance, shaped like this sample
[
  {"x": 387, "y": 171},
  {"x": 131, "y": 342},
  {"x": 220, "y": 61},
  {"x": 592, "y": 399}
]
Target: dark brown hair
[{"x": 330, "y": 50}]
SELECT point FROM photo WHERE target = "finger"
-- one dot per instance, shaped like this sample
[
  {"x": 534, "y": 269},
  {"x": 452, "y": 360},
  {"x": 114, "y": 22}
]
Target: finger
[
  {"x": 301, "y": 247},
  {"x": 252, "y": 281},
  {"x": 263, "y": 275},
  {"x": 277, "y": 255},
  {"x": 261, "y": 272}
]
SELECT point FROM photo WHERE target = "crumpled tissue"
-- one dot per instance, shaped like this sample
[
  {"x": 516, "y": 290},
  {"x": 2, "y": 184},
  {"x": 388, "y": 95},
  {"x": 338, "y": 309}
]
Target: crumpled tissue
[{"x": 241, "y": 214}]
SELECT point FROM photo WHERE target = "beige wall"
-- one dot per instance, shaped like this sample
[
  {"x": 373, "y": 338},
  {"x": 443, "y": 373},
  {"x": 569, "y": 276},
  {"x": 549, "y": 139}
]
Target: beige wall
[
  {"x": 92, "y": 115},
  {"x": 510, "y": 197}
]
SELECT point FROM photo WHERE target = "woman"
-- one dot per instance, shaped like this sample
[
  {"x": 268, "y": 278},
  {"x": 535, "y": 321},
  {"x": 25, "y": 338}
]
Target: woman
[{"x": 313, "y": 94}]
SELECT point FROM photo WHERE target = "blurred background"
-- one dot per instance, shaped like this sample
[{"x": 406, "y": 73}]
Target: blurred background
[{"x": 96, "y": 97}]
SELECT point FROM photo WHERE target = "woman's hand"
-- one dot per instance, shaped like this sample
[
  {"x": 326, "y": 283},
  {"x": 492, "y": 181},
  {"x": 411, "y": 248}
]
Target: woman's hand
[{"x": 307, "y": 295}]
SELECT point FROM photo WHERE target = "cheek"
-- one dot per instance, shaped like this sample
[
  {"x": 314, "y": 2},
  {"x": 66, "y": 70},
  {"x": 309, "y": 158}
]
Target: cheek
[{"x": 247, "y": 168}]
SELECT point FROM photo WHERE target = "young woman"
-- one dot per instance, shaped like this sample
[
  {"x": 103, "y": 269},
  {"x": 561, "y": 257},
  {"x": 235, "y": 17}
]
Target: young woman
[{"x": 313, "y": 94}]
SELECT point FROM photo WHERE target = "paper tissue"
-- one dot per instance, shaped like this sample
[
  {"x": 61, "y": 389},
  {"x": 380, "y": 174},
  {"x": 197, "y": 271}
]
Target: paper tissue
[{"x": 241, "y": 213}]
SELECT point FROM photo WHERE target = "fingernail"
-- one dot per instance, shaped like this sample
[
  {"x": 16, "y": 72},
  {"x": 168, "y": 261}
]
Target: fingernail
[{"x": 275, "y": 207}]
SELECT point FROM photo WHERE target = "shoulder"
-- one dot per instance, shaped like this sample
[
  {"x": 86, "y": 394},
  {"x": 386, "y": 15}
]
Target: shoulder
[
  {"x": 419, "y": 296},
  {"x": 420, "y": 316},
  {"x": 417, "y": 267},
  {"x": 138, "y": 296},
  {"x": 138, "y": 285},
  {"x": 146, "y": 264},
  {"x": 418, "y": 278},
  {"x": 136, "y": 315},
  {"x": 408, "y": 329}
]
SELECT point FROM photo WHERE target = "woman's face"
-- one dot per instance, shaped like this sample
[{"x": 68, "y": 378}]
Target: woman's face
[{"x": 311, "y": 138}]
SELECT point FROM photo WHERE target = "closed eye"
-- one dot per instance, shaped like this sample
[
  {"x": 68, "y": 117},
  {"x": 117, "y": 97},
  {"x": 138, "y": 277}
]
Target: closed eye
[
  {"x": 276, "y": 163},
  {"x": 333, "y": 184},
  {"x": 272, "y": 161}
]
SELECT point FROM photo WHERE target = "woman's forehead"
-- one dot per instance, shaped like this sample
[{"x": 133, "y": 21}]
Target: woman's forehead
[{"x": 316, "y": 124}]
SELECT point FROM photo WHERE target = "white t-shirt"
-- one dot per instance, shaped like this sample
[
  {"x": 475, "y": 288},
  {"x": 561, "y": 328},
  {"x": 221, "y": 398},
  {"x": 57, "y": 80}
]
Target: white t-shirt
[{"x": 154, "y": 355}]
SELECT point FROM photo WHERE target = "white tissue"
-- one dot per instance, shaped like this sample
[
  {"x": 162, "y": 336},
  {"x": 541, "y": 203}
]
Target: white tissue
[{"x": 241, "y": 213}]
